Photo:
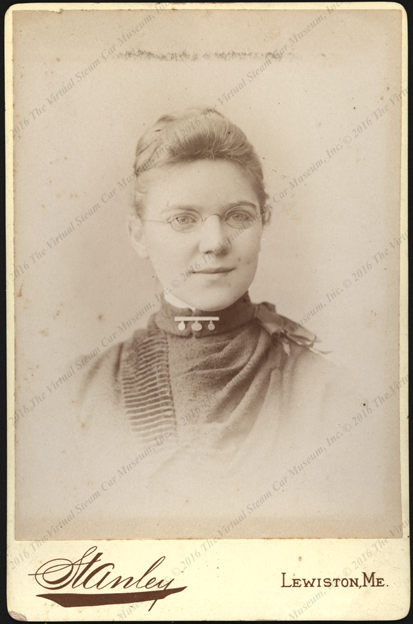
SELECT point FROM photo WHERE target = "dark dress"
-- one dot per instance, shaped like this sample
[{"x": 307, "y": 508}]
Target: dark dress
[{"x": 235, "y": 429}]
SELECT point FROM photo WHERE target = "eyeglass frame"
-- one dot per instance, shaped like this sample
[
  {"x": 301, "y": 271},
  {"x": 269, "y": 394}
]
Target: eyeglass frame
[{"x": 202, "y": 221}]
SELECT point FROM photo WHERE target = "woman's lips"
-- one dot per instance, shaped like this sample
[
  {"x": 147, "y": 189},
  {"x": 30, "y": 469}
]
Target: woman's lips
[{"x": 213, "y": 271}]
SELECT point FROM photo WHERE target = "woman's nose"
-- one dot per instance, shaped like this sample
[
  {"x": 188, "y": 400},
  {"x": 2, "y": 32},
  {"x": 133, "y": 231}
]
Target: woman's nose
[{"x": 212, "y": 235}]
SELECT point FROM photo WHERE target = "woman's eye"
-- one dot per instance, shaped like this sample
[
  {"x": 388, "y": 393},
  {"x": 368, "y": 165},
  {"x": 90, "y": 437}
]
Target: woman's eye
[
  {"x": 240, "y": 215},
  {"x": 184, "y": 219}
]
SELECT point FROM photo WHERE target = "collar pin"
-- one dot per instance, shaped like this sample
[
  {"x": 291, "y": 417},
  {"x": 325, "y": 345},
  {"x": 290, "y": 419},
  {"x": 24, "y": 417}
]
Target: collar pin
[{"x": 196, "y": 325}]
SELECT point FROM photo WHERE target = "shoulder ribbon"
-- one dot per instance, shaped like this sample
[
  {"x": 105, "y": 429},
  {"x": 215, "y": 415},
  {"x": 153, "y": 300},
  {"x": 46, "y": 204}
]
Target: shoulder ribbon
[{"x": 284, "y": 329}]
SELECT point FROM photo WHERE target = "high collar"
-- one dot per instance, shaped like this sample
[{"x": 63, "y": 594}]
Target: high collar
[{"x": 236, "y": 316}]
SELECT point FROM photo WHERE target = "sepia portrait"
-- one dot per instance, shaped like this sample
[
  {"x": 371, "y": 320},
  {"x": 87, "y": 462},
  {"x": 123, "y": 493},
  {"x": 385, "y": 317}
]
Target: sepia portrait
[{"x": 207, "y": 266}]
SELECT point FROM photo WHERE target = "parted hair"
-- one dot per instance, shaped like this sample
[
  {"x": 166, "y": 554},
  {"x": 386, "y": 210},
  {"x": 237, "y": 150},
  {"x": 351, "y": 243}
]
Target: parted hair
[{"x": 196, "y": 134}]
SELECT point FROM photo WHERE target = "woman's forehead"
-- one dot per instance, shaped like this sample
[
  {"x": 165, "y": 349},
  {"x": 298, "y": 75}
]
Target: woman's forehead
[{"x": 201, "y": 184}]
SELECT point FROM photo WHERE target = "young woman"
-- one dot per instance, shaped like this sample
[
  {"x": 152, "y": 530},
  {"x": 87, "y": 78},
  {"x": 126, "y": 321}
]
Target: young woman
[{"x": 218, "y": 419}]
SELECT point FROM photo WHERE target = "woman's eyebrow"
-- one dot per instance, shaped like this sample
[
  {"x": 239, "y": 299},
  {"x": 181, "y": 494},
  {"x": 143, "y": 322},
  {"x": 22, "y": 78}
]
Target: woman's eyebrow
[
  {"x": 175, "y": 207},
  {"x": 242, "y": 202},
  {"x": 224, "y": 208}
]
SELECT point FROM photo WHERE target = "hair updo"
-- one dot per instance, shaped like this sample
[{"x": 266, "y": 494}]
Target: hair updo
[{"x": 196, "y": 134}]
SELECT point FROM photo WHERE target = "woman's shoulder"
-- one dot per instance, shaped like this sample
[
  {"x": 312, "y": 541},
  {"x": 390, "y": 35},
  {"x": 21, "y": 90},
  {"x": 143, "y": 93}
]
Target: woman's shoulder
[
  {"x": 296, "y": 343},
  {"x": 306, "y": 371},
  {"x": 104, "y": 370},
  {"x": 303, "y": 361}
]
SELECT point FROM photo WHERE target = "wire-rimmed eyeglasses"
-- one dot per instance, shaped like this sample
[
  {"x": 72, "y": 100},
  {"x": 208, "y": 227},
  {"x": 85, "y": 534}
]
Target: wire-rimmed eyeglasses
[{"x": 239, "y": 218}]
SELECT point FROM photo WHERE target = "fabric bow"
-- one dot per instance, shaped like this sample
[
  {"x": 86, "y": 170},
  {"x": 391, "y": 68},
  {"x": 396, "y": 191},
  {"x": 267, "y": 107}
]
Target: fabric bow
[{"x": 286, "y": 330}]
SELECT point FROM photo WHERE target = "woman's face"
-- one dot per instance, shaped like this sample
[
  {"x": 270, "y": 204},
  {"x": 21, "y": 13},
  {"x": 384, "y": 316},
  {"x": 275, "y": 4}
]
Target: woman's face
[{"x": 213, "y": 266}]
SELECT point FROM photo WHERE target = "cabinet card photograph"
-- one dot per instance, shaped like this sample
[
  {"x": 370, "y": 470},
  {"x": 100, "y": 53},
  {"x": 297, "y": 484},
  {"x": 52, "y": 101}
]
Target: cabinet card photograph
[{"x": 207, "y": 304}]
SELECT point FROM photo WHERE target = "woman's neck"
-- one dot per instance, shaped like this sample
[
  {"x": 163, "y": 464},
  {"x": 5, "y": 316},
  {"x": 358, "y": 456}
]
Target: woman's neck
[
  {"x": 235, "y": 316},
  {"x": 177, "y": 303}
]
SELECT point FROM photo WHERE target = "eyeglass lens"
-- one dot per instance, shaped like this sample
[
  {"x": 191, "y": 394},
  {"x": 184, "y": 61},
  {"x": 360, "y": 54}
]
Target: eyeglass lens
[{"x": 189, "y": 221}]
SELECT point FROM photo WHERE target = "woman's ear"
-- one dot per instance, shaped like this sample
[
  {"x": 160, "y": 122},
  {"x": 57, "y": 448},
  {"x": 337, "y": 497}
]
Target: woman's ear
[
  {"x": 137, "y": 235},
  {"x": 266, "y": 214}
]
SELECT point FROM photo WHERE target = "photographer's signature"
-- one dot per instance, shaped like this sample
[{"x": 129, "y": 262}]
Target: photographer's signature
[{"x": 84, "y": 573}]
